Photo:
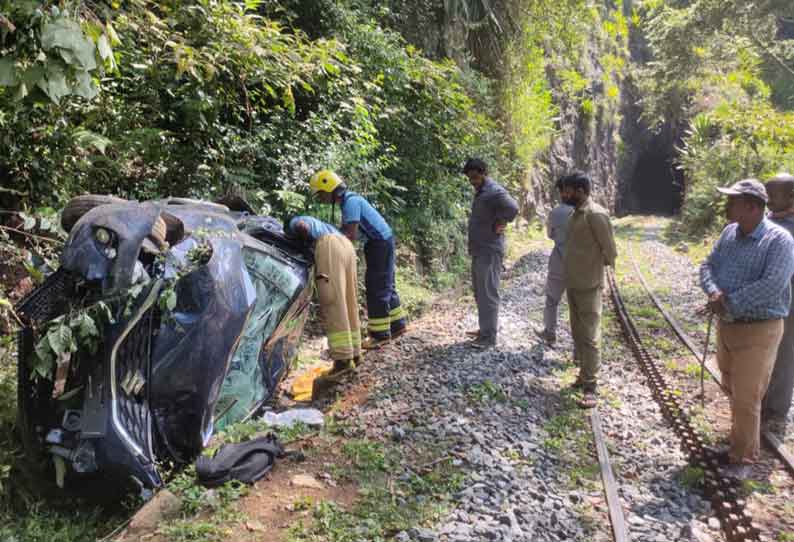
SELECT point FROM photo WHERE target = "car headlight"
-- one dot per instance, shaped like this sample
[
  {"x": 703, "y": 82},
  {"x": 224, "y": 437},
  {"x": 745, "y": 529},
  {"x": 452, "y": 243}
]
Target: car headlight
[{"x": 102, "y": 235}]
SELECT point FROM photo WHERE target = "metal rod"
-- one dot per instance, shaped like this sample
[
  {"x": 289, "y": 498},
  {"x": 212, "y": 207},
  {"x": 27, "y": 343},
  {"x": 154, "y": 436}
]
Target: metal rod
[{"x": 703, "y": 362}]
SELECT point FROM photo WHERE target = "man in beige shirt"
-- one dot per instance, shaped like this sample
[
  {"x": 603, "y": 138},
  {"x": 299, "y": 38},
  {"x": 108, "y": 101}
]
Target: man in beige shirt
[{"x": 590, "y": 247}]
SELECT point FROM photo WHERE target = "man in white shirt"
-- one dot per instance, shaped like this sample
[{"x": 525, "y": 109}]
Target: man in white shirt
[{"x": 557, "y": 231}]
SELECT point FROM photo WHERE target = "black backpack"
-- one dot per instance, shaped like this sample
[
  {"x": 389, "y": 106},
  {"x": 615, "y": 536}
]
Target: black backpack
[{"x": 246, "y": 462}]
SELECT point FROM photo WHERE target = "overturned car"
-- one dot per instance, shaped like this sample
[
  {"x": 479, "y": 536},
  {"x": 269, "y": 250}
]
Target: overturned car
[{"x": 166, "y": 321}]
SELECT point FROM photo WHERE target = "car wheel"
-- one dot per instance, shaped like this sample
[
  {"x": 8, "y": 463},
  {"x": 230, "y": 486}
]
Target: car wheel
[{"x": 80, "y": 205}]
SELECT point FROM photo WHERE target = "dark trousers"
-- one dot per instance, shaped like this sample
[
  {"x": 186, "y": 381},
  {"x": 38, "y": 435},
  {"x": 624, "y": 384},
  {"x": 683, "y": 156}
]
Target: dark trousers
[
  {"x": 486, "y": 270},
  {"x": 781, "y": 386},
  {"x": 386, "y": 316}
]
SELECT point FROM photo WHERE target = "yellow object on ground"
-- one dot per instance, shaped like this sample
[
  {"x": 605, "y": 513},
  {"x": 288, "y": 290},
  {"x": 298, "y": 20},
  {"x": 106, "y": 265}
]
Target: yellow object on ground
[{"x": 302, "y": 386}]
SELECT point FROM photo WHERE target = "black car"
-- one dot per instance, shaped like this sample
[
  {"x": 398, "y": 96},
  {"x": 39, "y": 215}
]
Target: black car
[{"x": 198, "y": 311}]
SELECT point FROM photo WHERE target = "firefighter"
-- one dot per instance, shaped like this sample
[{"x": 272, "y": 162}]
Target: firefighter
[
  {"x": 359, "y": 217},
  {"x": 337, "y": 283}
]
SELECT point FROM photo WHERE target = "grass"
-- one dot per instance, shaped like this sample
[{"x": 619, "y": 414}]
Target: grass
[
  {"x": 702, "y": 424},
  {"x": 568, "y": 435},
  {"x": 486, "y": 392},
  {"x": 754, "y": 486},
  {"x": 414, "y": 292},
  {"x": 211, "y": 514},
  {"x": 524, "y": 238},
  {"x": 696, "y": 248},
  {"x": 692, "y": 477},
  {"x": 206, "y": 514},
  {"x": 388, "y": 502}
]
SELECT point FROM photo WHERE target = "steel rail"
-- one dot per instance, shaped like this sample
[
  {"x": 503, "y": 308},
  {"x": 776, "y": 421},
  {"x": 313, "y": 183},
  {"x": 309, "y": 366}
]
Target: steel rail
[
  {"x": 769, "y": 438},
  {"x": 723, "y": 492},
  {"x": 620, "y": 531}
]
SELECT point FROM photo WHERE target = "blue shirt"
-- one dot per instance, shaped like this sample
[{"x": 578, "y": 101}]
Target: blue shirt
[
  {"x": 357, "y": 210},
  {"x": 317, "y": 228},
  {"x": 753, "y": 271}
]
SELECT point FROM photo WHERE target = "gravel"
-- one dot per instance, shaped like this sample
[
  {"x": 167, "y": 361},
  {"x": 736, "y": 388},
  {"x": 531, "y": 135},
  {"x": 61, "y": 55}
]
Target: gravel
[{"x": 488, "y": 410}]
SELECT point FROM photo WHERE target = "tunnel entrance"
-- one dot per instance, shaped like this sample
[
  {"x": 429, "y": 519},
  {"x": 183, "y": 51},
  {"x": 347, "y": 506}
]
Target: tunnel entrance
[{"x": 655, "y": 185}]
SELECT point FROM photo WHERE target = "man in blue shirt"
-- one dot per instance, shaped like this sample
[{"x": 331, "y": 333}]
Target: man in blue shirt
[
  {"x": 361, "y": 219},
  {"x": 747, "y": 279},
  {"x": 337, "y": 288}
]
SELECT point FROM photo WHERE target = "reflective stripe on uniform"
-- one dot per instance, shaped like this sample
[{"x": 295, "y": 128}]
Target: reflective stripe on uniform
[
  {"x": 396, "y": 314},
  {"x": 379, "y": 324},
  {"x": 340, "y": 339}
]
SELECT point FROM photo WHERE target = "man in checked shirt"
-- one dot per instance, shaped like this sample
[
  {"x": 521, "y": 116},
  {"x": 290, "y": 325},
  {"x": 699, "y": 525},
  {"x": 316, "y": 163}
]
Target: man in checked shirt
[{"x": 747, "y": 279}]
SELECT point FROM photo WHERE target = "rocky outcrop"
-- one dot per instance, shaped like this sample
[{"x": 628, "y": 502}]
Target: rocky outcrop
[
  {"x": 650, "y": 181},
  {"x": 477, "y": 34}
]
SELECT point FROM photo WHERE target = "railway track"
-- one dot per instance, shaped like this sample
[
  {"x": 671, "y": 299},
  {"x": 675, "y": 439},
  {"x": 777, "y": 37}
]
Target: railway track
[
  {"x": 769, "y": 438},
  {"x": 620, "y": 532},
  {"x": 724, "y": 493}
]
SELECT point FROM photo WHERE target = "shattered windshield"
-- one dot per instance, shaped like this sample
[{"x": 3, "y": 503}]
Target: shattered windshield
[{"x": 245, "y": 386}]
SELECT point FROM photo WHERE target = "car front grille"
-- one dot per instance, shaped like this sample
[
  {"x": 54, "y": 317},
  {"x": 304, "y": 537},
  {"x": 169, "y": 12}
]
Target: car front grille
[
  {"x": 132, "y": 374},
  {"x": 49, "y": 300}
]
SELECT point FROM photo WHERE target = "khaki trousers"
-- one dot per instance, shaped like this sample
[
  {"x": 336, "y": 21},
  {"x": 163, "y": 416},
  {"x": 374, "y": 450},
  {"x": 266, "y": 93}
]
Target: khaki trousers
[
  {"x": 585, "y": 313},
  {"x": 746, "y": 356},
  {"x": 335, "y": 257}
]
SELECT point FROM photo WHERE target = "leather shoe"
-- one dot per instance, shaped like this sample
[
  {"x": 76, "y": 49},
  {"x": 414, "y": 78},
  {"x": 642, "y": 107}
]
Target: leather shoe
[
  {"x": 482, "y": 345},
  {"x": 545, "y": 336}
]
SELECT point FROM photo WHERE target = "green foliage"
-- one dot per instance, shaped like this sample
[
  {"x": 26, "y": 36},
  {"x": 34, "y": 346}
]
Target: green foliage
[
  {"x": 201, "y": 94},
  {"x": 45, "y": 525},
  {"x": 50, "y": 54},
  {"x": 560, "y": 38},
  {"x": 486, "y": 392},
  {"x": 692, "y": 477},
  {"x": 718, "y": 69},
  {"x": 366, "y": 456},
  {"x": 206, "y": 514},
  {"x": 386, "y": 503},
  {"x": 62, "y": 337}
]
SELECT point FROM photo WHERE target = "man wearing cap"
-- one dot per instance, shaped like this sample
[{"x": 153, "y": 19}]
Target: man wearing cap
[
  {"x": 776, "y": 404},
  {"x": 747, "y": 280},
  {"x": 491, "y": 210},
  {"x": 361, "y": 219}
]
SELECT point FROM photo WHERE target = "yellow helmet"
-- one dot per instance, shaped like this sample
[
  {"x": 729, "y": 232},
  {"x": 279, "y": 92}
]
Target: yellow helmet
[{"x": 324, "y": 180}]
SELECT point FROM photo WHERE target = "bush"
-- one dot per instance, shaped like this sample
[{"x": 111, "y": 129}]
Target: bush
[
  {"x": 712, "y": 72},
  {"x": 198, "y": 95}
]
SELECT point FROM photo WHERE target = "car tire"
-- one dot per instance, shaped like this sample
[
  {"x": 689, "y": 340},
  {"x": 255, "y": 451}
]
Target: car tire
[{"x": 80, "y": 205}]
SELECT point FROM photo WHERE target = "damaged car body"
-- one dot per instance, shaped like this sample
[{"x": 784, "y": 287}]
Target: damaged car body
[{"x": 203, "y": 311}]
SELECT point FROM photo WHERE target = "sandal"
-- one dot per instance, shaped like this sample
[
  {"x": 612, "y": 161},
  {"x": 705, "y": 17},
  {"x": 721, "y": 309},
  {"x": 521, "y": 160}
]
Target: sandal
[{"x": 588, "y": 400}]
